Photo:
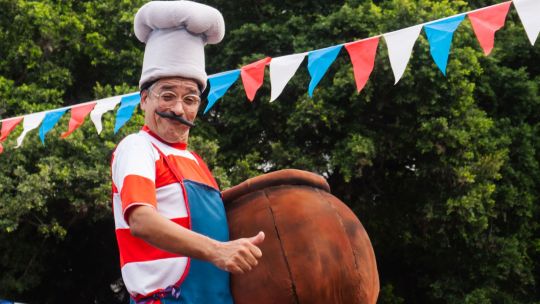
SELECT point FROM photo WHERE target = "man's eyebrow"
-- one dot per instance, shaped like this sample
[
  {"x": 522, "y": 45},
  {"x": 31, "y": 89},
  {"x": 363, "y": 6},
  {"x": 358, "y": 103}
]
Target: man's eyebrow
[
  {"x": 194, "y": 91},
  {"x": 172, "y": 87},
  {"x": 167, "y": 87}
]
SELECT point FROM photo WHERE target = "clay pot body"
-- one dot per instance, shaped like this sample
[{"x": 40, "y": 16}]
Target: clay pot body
[{"x": 315, "y": 250}]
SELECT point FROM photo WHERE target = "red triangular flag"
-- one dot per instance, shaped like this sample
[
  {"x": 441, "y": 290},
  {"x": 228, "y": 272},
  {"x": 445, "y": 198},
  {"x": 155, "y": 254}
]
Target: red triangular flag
[
  {"x": 253, "y": 76},
  {"x": 78, "y": 114},
  {"x": 486, "y": 22},
  {"x": 7, "y": 126},
  {"x": 362, "y": 55}
]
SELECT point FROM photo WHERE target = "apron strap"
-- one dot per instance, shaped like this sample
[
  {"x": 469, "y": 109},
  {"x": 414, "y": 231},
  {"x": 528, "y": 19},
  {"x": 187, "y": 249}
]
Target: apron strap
[{"x": 173, "y": 168}]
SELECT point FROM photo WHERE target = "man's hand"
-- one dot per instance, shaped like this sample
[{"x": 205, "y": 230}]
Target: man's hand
[{"x": 238, "y": 256}]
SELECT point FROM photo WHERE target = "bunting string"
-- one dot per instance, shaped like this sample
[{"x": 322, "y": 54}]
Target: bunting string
[{"x": 485, "y": 22}]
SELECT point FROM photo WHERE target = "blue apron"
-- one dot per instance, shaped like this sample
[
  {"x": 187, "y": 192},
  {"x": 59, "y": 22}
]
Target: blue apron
[{"x": 204, "y": 283}]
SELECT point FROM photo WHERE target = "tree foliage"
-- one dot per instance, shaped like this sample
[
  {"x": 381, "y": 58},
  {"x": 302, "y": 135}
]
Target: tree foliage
[{"x": 442, "y": 171}]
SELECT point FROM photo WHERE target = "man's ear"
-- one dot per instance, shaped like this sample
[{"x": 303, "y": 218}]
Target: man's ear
[
  {"x": 144, "y": 97},
  {"x": 204, "y": 97}
]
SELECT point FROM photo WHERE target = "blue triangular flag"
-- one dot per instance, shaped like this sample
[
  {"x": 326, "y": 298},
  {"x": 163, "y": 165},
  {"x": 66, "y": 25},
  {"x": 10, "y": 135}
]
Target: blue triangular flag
[
  {"x": 50, "y": 119},
  {"x": 124, "y": 113},
  {"x": 318, "y": 63},
  {"x": 219, "y": 84},
  {"x": 440, "y": 34}
]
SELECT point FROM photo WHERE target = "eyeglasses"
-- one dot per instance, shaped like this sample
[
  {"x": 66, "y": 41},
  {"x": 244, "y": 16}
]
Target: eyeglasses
[{"x": 169, "y": 99}]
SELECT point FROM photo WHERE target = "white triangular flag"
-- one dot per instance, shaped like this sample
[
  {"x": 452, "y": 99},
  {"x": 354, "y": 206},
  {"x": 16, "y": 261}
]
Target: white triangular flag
[
  {"x": 529, "y": 13},
  {"x": 102, "y": 106},
  {"x": 282, "y": 69},
  {"x": 30, "y": 122},
  {"x": 400, "y": 44}
]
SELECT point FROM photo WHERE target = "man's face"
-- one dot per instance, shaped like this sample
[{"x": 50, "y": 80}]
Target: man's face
[{"x": 178, "y": 96}]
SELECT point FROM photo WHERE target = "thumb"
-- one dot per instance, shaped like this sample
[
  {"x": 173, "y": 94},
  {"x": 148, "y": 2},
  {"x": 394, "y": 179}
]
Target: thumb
[{"x": 256, "y": 240}]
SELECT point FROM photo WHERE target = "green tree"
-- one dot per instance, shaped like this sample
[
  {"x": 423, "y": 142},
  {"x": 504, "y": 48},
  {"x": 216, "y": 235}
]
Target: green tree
[{"x": 442, "y": 171}]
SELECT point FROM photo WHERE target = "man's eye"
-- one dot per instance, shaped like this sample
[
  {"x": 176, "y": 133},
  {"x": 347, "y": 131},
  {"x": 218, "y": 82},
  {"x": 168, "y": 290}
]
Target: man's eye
[
  {"x": 168, "y": 97},
  {"x": 191, "y": 99}
]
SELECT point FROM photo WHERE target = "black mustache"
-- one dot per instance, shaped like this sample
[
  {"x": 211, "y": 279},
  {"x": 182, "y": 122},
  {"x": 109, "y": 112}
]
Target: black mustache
[{"x": 177, "y": 118}]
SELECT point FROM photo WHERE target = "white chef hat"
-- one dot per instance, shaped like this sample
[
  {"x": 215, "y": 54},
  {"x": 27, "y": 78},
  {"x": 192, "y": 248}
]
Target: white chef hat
[{"x": 175, "y": 33}]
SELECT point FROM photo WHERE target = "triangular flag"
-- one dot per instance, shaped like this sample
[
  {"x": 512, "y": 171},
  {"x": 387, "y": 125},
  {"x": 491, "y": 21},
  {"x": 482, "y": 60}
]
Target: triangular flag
[
  {"x": 51, "y": 118},
  {"x": 440, "y": 34},
  {"x": 102, "y": 106},
  {"x": 528, "y": 11},
  {"x": 362, "y": 55},
  {"x": 486, "y": 22},
  {"x": 400, "y": 45},
  {"x": 282, "y": 69},
  {"x": 219, "y": 84},
  {"x": 30, "y": 122},
  {"x": 253, "y": 76},
  {"x": 318, "y": 63},
  {"x": 124, "y": 113},
  {"x": 78, "y": 114},
  {"x": 7, "y": 126}
]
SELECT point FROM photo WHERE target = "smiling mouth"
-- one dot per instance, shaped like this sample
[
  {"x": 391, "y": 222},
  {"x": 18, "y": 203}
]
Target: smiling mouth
[{"x": 176, "y": 118}]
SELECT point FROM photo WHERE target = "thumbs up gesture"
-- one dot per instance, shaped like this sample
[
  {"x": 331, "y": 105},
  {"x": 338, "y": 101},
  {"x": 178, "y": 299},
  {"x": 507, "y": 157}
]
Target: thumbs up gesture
[{"x": 238, "y": 256}]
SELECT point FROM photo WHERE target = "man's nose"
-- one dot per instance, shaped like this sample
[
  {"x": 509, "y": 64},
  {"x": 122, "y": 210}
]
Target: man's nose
[{"x": 178, "y": 108}]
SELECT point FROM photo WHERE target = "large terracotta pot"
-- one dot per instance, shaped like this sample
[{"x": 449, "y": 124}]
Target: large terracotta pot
[{"x": 315, "y": 251}]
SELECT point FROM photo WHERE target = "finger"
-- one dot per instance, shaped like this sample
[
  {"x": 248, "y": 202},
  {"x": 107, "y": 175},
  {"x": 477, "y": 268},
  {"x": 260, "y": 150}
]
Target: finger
[
  {"x": 243, "y": 264},
  {"x": 256, "y": 251},
  {"x": 250, "y": 257},
  {"x": 256, "y": 240},
  {"x": 234, "y": 269}
]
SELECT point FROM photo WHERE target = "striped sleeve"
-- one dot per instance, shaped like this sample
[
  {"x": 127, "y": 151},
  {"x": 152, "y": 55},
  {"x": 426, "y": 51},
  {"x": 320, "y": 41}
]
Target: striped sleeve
[{"x": 134, "y": 172}]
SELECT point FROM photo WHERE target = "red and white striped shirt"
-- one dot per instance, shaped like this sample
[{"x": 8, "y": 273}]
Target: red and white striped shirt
[{"x": 141, "y": 177}]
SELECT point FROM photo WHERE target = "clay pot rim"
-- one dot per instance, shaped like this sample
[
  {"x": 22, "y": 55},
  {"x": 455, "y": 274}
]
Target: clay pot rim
[{"x": 276, "y": 178}]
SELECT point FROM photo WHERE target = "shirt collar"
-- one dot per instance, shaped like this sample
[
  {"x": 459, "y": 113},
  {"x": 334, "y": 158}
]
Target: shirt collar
[{"x": 178, "y": 145}]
